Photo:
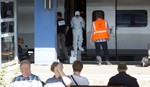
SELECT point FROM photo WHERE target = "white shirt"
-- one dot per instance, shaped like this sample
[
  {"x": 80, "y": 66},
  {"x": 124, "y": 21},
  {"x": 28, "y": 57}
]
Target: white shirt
[{"x": 81, "y": 80}]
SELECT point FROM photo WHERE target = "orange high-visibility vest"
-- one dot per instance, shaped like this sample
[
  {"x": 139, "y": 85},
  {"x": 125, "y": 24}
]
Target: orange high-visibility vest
[{"x": 100, "y": 30}]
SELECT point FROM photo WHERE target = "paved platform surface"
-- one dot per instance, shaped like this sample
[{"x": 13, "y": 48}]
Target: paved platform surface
[{"x": 97, "y": 75}]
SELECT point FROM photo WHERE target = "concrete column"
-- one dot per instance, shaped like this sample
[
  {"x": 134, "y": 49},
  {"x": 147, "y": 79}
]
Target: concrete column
[{"x": 45, "y": 32}]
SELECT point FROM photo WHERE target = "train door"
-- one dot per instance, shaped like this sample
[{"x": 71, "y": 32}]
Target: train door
[
  {"x": 70, "y": 7},
  {"x": 108, "y": 9}
]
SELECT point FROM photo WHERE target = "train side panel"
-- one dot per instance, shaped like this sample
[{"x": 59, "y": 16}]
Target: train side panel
[{"x": 127, "y": 39}]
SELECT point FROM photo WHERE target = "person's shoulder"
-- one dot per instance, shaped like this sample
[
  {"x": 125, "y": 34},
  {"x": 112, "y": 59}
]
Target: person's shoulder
[
  {"x": 35, "y": 77},
  {"x": 115, "y": 76},
  {"x": 133, "y": 78},
  {"x": 17, "y": 78},
  {"x": 49, "y": 80},
  {"x": 85, "y": 79},
  {"x": 80, "y": 77}
]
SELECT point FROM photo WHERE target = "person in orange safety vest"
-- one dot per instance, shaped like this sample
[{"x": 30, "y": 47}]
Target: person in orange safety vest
[{"x": 100, "y": 35}]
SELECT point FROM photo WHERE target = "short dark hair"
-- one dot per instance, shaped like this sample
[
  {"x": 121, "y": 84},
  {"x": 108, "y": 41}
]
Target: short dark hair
[
  {"x": 98, "y": 15},
  {"x": 59, "y": 14},
  {"x": 122, "y": 65},
  {"x": 77, "y": 65},
  {"x": 54, "y": 64}
]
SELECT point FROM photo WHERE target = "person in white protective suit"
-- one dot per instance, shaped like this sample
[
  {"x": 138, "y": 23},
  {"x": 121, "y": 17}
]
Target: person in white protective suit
[{"x": 77, "y": 24}]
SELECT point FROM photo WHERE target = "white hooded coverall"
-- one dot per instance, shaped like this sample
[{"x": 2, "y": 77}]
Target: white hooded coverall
[{"x": 77, "y": 23}]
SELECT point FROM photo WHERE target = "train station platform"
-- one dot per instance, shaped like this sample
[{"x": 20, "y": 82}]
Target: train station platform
[{"x": 97, "y": 75}]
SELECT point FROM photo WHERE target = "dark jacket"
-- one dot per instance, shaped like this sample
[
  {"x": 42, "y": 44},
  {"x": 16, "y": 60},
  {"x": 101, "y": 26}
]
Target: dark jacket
[
  {"x": 22, "y": 56},
  {"x": 123, "y": 79}
]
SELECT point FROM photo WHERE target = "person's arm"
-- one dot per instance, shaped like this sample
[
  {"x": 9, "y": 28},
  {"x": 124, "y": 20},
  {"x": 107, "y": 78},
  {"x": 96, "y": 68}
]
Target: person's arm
[
  {"x": 91, "y": 37},
  {"x": 108, "y": 30},
  {"x": 66, "y": 79},
  {"x": 71, "y": 22},
  {"x": 67, "y": 28}
]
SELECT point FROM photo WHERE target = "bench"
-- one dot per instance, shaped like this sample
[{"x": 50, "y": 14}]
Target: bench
[{"x": 94, "y": 86}]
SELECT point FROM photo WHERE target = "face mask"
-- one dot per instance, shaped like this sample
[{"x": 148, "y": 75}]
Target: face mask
[{"x": 77, "y": 16}]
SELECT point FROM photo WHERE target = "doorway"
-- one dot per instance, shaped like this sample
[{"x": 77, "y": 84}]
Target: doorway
[{"x": 70, "y": 7}]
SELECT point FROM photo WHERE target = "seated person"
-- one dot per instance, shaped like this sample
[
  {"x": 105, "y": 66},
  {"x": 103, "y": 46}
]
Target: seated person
[
  {"x": 22, "y": 56},
  {"x": 122, "y": 78},
  {"x": 27, "y": 79},
  {"x": 59, "y": 79},
  {"x": 76, "y": 78}
]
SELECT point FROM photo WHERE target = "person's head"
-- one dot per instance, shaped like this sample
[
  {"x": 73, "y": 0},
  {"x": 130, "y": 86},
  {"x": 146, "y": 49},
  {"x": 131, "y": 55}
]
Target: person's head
[
  {"x": 59, "y": 15},
  {"x": 20, "y": 41},
  {"x": 25, "y": 68},
  {"x": 77, "y": 66},
  {"x": 82, "y": 14},
  {"x": 122, "y": 66},
  {"x": 56, "y": 67},
  {"x": 53, "y": 66},
  {"x": 77, "y": 13},
  {"x": 98, "y": 15}
]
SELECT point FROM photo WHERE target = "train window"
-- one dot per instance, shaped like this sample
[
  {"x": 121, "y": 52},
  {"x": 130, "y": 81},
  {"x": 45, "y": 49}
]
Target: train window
[
  {"x": 98, "y": 11},
  {"x": 131, "y": 18}
]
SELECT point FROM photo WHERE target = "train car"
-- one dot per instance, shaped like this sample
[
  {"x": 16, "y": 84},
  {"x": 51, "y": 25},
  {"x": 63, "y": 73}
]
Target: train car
[{"x": 129, "y": 25}]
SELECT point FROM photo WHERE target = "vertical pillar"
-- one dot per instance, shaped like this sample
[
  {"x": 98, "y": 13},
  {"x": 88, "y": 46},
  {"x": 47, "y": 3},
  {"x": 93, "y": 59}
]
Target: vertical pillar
[{"x": 45, "y": 32}]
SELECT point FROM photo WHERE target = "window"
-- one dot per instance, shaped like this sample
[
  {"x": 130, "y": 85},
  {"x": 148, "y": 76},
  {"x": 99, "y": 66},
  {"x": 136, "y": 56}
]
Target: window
[
  {"x": 131, "y": 18},
  {"x": 7, "y": 30}
]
